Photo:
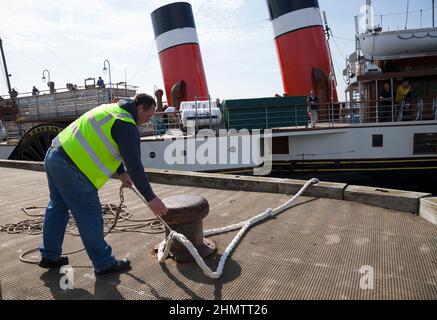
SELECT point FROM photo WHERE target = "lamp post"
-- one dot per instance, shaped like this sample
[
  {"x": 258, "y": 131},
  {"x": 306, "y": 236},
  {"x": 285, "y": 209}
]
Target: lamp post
[
  {"x": 44, "y": 77},
  {"x": 110, "y": 79}
]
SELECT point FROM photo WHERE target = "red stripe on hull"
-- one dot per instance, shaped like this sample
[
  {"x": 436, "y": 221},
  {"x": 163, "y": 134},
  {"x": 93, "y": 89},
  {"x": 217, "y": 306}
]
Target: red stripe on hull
[
  {"x": 184, "y": 62},
  {"x": 299, "y": 52}
]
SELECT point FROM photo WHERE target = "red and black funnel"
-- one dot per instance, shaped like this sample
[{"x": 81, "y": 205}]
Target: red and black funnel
[
  {"x": 179, "y": 51},
  {"x": 301, "y": 44}
]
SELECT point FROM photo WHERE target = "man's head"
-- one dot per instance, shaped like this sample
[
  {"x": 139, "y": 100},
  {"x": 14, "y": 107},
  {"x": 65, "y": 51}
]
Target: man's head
[
  {"x": 387, "y": 86},
  {"x": 159, "y": 94},
  {"x": 146, "y": 107},
  {"x": 312, "y": 93},
  {"x": 405, "y": 84}
]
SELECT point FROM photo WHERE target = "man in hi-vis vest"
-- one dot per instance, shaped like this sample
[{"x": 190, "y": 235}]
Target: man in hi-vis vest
[{"x": 82, "y": 158}]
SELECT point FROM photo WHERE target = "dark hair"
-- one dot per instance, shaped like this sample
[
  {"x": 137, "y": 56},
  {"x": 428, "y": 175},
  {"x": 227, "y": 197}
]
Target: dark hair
[{"x": 144, "y": 99}]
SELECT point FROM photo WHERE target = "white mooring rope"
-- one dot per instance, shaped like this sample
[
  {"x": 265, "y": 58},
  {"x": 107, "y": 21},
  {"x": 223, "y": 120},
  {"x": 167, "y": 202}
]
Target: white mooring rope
[{"x": 165, "y": 245}]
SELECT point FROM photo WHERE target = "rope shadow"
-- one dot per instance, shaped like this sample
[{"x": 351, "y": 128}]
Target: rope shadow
[
  {"x": 151, "y": 288},
  {"x": 192, "y": 272},
  {"x": 180, "y": 284}
]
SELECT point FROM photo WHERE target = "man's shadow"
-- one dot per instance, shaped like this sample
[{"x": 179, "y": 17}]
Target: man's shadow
[{"x": 105, "y": 287}]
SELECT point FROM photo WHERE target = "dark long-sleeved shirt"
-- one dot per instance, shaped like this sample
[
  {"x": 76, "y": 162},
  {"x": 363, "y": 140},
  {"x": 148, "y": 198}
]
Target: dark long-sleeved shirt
[{"x": 127, "y": 136}]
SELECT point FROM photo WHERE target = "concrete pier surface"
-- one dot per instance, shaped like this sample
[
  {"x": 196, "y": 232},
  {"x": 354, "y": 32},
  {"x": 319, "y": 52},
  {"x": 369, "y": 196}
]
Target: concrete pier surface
[{"x": 324, "y": 247}]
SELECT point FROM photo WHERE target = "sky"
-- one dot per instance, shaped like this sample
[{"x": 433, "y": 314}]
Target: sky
[{"x": 72, "y": 39}]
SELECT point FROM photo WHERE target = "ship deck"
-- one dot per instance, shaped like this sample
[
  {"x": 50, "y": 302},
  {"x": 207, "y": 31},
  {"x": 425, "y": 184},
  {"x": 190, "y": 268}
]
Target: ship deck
[{"x": 315, "y": 250}]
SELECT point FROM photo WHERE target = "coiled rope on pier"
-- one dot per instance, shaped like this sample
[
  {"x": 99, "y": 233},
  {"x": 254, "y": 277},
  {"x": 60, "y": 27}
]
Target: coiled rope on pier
[{"x": 116, "y": 219}]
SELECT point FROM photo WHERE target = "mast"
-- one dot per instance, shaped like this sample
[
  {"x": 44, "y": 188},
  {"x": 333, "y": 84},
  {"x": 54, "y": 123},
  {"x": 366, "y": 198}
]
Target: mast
[
  {"x": 369, "y": 16},
  {"x": 6, "y": 68},
  {"x": 433, "y": 13},
  {"x": 332, "y": 78}
]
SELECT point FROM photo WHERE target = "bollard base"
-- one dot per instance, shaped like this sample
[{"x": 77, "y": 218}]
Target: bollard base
[
  {"x": 185, "y": 214},
  {"x": 180, "y": 255}
]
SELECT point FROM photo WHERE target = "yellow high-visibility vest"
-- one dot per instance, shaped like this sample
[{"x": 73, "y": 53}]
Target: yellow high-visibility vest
[{"x": 89, "y": 144}]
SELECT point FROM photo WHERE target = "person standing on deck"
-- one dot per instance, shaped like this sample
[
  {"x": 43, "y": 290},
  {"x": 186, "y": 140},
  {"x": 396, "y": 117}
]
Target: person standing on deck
[
  {"x": 35, "y": 91},
  {"x": 385, "y": 104},
  {"x": 402, "y": 93},
  {"x": 82, "y": 158},
  {"x": 101, "y": 83},
  {"x": 313, "y": 108}
]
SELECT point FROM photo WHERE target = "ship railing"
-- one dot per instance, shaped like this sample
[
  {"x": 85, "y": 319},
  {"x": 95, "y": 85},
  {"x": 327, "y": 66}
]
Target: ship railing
[
  {"x": 414, "y": 19},
  {"x": 56, "y": 106},
  {"x": 357, "y": 112},
  {"x": 171, "y": 123},
  {"x": 329, "y": 115},
  {"x": 64, "y": 105},
  {"x": 161, "y": 123},
  {"x": 164, "y": 122},
  {"x": 117, "y": 91}
]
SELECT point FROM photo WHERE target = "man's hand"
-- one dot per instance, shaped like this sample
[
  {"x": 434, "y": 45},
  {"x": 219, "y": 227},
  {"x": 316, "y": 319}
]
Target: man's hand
[
  {"x": 158, "y": 207},
  {"x": 126, "y": 181}
]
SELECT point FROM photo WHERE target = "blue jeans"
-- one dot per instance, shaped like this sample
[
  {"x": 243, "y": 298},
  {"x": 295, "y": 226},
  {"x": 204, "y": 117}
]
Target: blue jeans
[{"x": 71, "y": 190}]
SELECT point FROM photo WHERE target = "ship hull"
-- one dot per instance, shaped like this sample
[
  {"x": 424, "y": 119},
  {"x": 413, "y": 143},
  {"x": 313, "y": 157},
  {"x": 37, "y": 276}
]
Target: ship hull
[
  {"x": 419, "y": 174},
  {"x": 349, "y": 154}
]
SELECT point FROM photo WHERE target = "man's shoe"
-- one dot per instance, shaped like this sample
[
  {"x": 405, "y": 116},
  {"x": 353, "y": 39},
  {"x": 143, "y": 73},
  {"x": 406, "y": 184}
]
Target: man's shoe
[
  {"x": 50, "y": 264},
  {"x": 120, "y": 266}
]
